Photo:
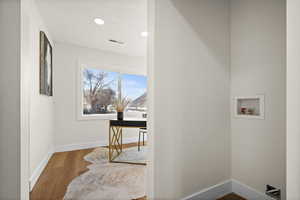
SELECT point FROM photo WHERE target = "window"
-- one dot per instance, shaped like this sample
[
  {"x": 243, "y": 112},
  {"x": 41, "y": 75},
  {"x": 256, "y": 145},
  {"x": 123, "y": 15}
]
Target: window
[
  {"x": 134, "y": 88},
  {"x": 100, "y": 90}
]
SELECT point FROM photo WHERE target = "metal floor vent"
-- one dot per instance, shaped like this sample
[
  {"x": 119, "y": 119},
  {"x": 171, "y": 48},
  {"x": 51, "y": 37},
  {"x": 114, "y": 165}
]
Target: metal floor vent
[{"x": 273, "y": 192}]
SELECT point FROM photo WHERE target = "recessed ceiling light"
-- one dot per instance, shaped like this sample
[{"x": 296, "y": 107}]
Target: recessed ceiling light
[
  {"x": 144, "y": 34},
  {"x": 99, "y": 21}
]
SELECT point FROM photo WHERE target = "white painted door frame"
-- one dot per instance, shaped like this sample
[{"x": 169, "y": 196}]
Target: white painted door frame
[{"x": 150, "y": 99}]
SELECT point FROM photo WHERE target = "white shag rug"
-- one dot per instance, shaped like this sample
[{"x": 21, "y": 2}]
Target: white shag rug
[
  {"x": 110, "y": 181},
  {"x": 100, "y": 155}
]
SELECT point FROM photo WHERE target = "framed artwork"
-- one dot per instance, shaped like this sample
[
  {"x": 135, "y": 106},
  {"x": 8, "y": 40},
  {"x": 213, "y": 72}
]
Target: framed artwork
[{"x": 45, "y": 65}]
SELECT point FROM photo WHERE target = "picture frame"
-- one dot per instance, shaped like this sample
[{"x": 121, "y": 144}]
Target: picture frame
[{"x": 46, "y": 70}]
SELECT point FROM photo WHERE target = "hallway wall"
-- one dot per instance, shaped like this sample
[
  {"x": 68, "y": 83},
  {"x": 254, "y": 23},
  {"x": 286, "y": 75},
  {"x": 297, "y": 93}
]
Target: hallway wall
[
  {"x": 10, "y": 79},
  {"x": 258, "y": 66},
  {"x": 191, "y": 96},
  {"x": 41, "y": 138},
  {"x": 69, "y": 130}
]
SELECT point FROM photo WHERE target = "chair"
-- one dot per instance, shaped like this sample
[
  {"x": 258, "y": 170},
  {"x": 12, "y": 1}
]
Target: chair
[{"x": 141, "y": 131}]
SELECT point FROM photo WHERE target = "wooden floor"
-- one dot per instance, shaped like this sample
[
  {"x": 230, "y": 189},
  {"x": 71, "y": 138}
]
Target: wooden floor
[
  {"x": 232, "y": 197},
  {"x": 60, "y": 171},
  {"x": 63, "y": 168}
]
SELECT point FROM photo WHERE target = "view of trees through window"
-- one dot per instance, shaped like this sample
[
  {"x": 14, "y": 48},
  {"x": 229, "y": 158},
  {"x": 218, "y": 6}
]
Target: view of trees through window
[{"x": 100, "y": 91}]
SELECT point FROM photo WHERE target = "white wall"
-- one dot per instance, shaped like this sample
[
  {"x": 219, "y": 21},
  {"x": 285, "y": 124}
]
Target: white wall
[
  {"x": 10, "y": 77},
  {"x": 25, "y": 98},
  {"x": 41, "y": 106},
  {"x": 258, "y": 66},
  {"x": 191, "y": 96},
  {"x": 293, "y": 100},
  {"x": 68, "y": 129}
]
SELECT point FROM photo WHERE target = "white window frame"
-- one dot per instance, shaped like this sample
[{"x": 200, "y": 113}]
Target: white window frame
[{"x": 79, "y": 83}]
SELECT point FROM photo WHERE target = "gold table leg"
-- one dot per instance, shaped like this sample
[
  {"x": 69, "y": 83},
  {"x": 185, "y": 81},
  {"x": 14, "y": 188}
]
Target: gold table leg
[{"x": 115, "y": 142}]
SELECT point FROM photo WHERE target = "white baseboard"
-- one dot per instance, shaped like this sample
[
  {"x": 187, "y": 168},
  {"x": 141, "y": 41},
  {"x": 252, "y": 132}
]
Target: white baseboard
[
  {"x": 89, "y": 145},
  {"x": 227, "y": 187},
  {"x": 71, "y": 147},
  {"x": 248, "y": 192},
  {"x": 212, "y": 193},
  {"x": 39, "y": 170}
]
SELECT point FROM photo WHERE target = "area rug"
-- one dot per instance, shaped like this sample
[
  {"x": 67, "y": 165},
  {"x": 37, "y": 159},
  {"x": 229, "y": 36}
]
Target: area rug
[
  {"x": 100, "y": 155},
  {"x": 109, "y": 181}
]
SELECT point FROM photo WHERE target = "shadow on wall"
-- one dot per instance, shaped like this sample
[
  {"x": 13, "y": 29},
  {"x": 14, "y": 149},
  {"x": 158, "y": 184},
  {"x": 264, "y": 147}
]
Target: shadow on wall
[
  {"x": 201, "y": 53},
  {"x": 204, "y": 19}
]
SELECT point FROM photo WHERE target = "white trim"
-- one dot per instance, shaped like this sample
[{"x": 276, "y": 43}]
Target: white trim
[
  {"x": 39, "y": 170},
  {"x": 79, "y": 85},
  {"x": 213, "y": 192},
  {"x": 248, "y": 192},
  {"x": 150, "y": 169},
  {"x": 89, "y": 145},
  {"x": 71, "y": 147},
  {"x": 227, "y": 187}
]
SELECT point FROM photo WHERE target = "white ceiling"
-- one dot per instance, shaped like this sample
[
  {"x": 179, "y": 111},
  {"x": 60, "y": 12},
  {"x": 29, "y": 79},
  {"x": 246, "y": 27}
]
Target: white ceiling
[{"x": 72, "y": 21}]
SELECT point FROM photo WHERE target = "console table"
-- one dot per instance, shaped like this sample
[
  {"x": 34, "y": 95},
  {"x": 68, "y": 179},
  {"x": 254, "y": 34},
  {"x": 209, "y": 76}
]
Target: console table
[{"x": 116, "y": 137}]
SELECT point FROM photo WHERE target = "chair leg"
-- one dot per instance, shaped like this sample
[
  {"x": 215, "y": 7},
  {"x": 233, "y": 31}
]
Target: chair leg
[
  {"x": 139, "y": 141},
  {"x": 143, "y": 139}
]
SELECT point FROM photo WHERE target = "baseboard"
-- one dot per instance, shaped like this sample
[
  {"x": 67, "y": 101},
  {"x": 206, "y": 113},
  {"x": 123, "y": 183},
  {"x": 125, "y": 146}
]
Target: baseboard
[
  {"x": 212, "y": 193},
  {"x": 89, "y": 145},
  {"x": 39, "y": 170},
  {"x": 227, "y": 187},
  {"x": 71, "y": 147},
  {"x": 248, "y": 192}
]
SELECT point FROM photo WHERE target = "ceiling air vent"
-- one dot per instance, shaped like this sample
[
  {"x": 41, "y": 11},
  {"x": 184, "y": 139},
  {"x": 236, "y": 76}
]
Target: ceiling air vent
[{"x": 116, "y": 41}]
